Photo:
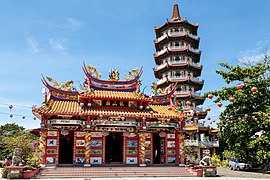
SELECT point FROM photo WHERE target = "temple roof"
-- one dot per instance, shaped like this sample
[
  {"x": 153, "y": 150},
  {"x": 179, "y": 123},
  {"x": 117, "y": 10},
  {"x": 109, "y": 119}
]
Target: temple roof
[{"x": 73, "y": 108}]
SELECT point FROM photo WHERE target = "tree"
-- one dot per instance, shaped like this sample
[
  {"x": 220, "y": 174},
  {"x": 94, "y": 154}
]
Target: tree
[
  {"x": 8, "y": 130},
  {"x": 14, "y": 136},
  {"x": 248, "y": 110}
]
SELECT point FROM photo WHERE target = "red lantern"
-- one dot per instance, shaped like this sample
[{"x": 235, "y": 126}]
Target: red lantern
[
  {"x": 188, "y": 103},
  {"x": 208, "y": 109},
  {"x": 23, "y": 117},
  {"x": 239, "y": 119},
  {"x": 11, "y": 115},
  {"x": 35, "y": 118},
  {"x": 220, "y": 117},
  {"x": 231, "y": 116},
  {"x": 239, "y": 86},
  {"x": 208, "y": 118},
  {"x": 214, "y": 120},
  {"x": 210, "y": 96},
  {"x": 10, "y": 107},
  {"x": 246, "y": 115},
  {"x": 254, "y": 89},
  {"x": 219, "y": 104},
  {"x": 231, "y": 99},
  {"x": 201, "y": 123},
  {"x": 210, "y": 122}
]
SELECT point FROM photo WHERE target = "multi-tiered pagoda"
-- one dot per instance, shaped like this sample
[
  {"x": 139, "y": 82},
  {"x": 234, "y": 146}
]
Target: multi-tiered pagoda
[
  {"x": 177, "y": 58},
  {"x": 178, "y": 61}
]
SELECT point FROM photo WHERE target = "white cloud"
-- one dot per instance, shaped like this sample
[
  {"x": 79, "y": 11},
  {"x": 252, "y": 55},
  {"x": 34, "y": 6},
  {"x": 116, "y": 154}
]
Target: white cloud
[
  {"x": 57, "y": 44},
  {"x": 73, "y": 24},
  {"x": 34, "y": 46},
  {"x": 256, "y": 54}
]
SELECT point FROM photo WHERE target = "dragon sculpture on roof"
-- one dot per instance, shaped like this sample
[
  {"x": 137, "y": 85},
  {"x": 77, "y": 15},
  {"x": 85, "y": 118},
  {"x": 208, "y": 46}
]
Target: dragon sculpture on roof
[
  {"x": 93, "y": 71},
  {"x": 63, "y": 86},
  {"x": 159, "y": 91},
  {"x": 132, "y": 73}
]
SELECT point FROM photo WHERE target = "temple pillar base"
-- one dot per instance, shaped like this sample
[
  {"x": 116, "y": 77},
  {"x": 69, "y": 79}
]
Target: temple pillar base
[
  {"x": 181, "y": 165},
  {"x": 142, "y": 165}
]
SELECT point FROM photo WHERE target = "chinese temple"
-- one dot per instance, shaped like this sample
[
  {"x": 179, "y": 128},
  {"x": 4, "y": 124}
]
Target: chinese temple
[{"x": 111, "y": 121}]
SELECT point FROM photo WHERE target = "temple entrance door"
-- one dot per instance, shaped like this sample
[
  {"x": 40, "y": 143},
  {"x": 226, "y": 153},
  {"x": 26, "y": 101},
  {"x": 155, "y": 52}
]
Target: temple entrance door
[
  {"x": 158, "y": 149},
  {"x": 114, "y": 148},
  {"x": 66, "y": 144}
]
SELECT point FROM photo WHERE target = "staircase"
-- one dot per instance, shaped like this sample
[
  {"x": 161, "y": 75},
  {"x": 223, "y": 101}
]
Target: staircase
[{"x": 112, "y": 172}]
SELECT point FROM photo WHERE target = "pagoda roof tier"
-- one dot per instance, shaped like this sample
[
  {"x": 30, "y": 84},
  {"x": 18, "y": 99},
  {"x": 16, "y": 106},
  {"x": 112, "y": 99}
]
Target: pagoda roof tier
[
  {"x": 185, "y": 23},
  {"x": 178, "y": 65},
  {"x": 115, "y": 95},
  {"x": 110, "y": 82},
  {"x": 177, "y": 36},
  {"x": 195, "y": 57},
  {"x": 72, "y": 108},
  {"x": 164, "y": 82},
  {"x": 177, "y": 49}
]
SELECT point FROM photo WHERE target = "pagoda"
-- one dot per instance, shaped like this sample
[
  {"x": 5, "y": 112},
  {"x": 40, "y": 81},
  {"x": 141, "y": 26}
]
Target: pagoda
[{"x": 178, "y": 59}]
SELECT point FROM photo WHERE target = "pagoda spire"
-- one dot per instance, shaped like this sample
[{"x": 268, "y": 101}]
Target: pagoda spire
[{"x": 175, "y": 14}]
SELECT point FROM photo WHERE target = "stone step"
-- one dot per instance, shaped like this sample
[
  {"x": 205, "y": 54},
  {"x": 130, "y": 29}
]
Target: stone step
[{"x": 110, "y": 172}]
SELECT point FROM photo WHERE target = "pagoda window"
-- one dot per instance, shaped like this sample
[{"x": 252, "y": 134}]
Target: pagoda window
[
  {"x": 178, "y": 74},
  {"x": 176, "y": 30},
  {"x": 177, "y": 58},
  {"x": 176, "y": 44},
  {"x": 181, "y": 29}
]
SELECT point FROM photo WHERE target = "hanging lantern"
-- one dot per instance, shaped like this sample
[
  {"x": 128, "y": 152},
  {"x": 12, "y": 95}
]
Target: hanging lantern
[
  {"x": 10, "y": 107},
  {"x": 239, "y": 86},
  {"x": 35, "y": 118},
  {"x": 253, "y": 117},
  {"x": 231, "y": 99},
  {"x": 23, "y": 117},
  {"x": 239, "y": 119},
  {"x": 11, "y": 115},
  {"x": 208, "y": 109},
  {"x": 231, "y": 116},
  {"x": 214, "y": 120},
  {"x": 210, "y": 122},
  {"x": 162, "y": 134},
  {"x": 203, "y": 121},
  {"x": 210, "y": 96},
  {"x": 208, "y": 118},
  {"x": 220, "y": 117},
  {"x": 259, "y": 114},
  {"x": 188, "y": 103},
  {"x": 64, "y": 132},
  {"x": 246, "y": 115},
  {"x": 256, "y": 119},
  {"x": 219, "y": 104},
  {"x": 254, "y": 89},
  {"x": 243, "y": 120}
]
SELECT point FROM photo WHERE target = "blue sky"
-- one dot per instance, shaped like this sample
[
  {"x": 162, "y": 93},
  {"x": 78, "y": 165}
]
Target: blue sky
[{"x": 54, "y": 37}]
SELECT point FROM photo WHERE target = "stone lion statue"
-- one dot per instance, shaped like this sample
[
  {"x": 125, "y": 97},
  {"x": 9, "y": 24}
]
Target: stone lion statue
[{"x": 16, "y": 158}]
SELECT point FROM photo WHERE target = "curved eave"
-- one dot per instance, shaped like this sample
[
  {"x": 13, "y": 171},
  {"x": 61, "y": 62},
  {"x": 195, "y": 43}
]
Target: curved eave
[
  {"x": 126, "y": 89},
  {"x": 169, "y": 37},
  {"x": 178, "y": 50},
  {"x": 55, "y": 89},
  {"x": 132, "y": 81},
  {"x": 168, "y": 23},
  {"x": 185, "y": 66},
  {"x": 199, "y": 85}
]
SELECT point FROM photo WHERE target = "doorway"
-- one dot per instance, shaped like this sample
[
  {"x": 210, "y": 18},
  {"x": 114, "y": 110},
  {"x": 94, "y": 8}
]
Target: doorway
[
  {"x": 114, "y": 148},
  {"x": 158, "y": 149},
  {"x": 66, "y": 144}
]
